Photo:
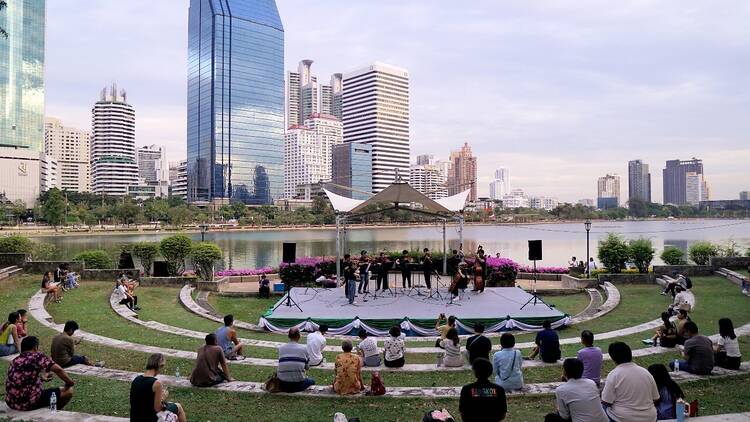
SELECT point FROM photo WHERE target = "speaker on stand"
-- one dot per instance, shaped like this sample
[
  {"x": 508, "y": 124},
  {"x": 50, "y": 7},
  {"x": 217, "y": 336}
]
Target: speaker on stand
[
  {"x": 535, "y": 254},
  {"x": 289, "y": 256}
]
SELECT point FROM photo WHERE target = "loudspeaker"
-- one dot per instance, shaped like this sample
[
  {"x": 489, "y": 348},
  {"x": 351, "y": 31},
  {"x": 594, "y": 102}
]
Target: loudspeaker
[
  {"x": 535, "y": 250},
  {"x": 290, "y": 253},
  {"x": 161, "y": 269}
]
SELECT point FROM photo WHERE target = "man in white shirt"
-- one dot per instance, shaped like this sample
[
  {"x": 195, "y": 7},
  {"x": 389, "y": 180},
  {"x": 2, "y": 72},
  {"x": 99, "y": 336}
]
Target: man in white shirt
[
  {"x": 578, "y": 399},
  {"x": 629, "y": 390},
  {"x": 316, "y": 342},
  {"x": 368, "y": 349}
]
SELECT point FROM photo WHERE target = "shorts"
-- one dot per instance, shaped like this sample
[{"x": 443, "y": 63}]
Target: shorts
[
  {"x": 8, "y": 349},
  {"x": 75, "y": 360},
  {"x": 45, "y": 397}
]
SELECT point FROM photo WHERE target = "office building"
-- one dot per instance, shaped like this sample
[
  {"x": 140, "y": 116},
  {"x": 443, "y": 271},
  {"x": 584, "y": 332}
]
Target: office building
[
  {"x": 429, "y": 179},
  {"x": 235, "y": 120},
  {"x": 639, "y": 181},
  {"x": 178, "y": 179},
  {"x": 675, "y": 179},
  {"x": 306, "y": 97},
  {"x": 376, "y": 112},
  {"x": 726, "y": 205},
  {"x": 500, "y": 186},
  {"x": 425, "y": 159},
  {"x": 608, "y": 192},
  {"x": 308, "y": 151},
  {"x": 113, "y": 157},
  {"x": 745, "y": 196},
  {"x": 152, "y": 166},
  {"x": 71, "y": 148},
  {"x": 586, "y": 202},
  {"x": 351, "y": 174},
  {"x": 543, "y": 203},
  {"x": 24, "y": 174},
  {"x": 337, "y": 92},
  {"x": 462, "y": 174}
]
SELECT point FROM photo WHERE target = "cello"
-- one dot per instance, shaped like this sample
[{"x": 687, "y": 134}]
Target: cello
[
  {"x": 460, "y": 281},
  {"x": 479, "y": 273}
]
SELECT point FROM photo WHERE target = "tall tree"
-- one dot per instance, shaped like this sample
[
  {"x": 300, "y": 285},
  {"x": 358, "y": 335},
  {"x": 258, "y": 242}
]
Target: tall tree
[{"x": 53, "y": 208}]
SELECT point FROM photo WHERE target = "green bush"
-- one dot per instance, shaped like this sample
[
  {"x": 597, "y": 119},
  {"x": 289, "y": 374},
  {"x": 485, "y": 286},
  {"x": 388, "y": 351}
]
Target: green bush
[
  {"x": 641, "y": 253},
  {"x": 204, "y": 255},
  {"x": 701, "y": 252},
  {"x": 613, "y": 253},
  {"x": 16, "y": 244},
  {"x": 747, "y": 253},
  {"x": 95, "y": 259},
  {"x": 146, "y": 252},
  {"x": 44, "y": 252},
  {"x": 672, "y": 255},
  {"x": 175, "y": 249}
]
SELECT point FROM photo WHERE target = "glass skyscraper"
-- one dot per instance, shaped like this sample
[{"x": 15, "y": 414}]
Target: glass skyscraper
[
  {"x": 235, "y": 128},
  {"x": 22, "y": 75}
]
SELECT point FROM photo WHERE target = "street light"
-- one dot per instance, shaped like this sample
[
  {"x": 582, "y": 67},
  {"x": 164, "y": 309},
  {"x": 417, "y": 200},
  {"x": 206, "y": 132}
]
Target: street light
[
  {"x": 587, "y": 225},
  {"x": 204, "y": 229}
]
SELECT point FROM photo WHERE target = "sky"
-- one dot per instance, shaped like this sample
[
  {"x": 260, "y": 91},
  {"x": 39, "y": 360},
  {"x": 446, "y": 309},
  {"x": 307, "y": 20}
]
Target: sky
[{"x": 560, "y": 92}]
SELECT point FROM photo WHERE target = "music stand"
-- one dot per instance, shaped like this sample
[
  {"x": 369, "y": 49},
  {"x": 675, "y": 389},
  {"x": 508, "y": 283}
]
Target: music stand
[
  {"x": 289, "y": 301},
  {"x": 534, "y": 296},
  {"x": 436, "y": 294}
]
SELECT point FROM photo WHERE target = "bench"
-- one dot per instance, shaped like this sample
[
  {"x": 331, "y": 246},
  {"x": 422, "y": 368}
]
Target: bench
[{"x": 44, "y": 415}]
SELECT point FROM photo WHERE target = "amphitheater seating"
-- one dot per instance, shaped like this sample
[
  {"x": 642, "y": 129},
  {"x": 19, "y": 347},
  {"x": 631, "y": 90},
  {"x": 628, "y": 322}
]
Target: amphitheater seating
[{"x": 44, "y": 415}]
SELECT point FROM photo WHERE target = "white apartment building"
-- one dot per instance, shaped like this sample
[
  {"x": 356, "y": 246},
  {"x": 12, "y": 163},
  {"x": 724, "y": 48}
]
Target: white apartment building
[
  {"x": 543, "y": 203},
  {"x": 429, "y": 179},
  {"x": 152, "y": 166},
  {"x": 376, "y": 112},
  {"x": 308, "y": 152},
  {"x": 113, "y": 155},
  {"x": 696, "y": 188},
  {"x": 71, "y": 148},
  {"x": 178, "y": 179},
  {"x": 609, "y": 187},
  {"x": 337, "y": 92},
  {"x": 500, "y": 186}
]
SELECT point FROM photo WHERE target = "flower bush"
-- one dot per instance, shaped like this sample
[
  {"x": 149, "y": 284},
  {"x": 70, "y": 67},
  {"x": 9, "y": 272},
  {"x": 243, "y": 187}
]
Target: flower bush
[
  {"x": 544, "y": 270},
  {"x": 246, "y": 271}
]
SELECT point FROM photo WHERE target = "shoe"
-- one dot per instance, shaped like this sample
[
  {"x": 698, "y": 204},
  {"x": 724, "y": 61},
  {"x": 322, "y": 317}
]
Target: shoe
[
  {"x": 238, "y": 357},
  {"x": 99, "y": 364},
  {"x": 663, "y": 293},
  {"x": 137, "y": 308}
]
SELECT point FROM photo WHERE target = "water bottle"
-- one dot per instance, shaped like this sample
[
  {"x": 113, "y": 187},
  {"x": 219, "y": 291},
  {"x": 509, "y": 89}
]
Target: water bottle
[
  {"x": 677, "y": 365},
  {"x": 680, "y": 410},
  {"x": 658, "y": 341},
  {"x": 53, "y": 403},
  {"x": 177, "y": 371},
  {"x": 439, "y": 359}
]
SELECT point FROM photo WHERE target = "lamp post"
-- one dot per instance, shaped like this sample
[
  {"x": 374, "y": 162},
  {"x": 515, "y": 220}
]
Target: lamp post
[
  {"x": 204, "y": 229},
  {"x": 587, "y": 225}
]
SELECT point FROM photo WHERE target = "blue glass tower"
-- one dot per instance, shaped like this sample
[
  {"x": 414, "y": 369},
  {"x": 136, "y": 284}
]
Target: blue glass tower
[{"x": 235, "y": 125}]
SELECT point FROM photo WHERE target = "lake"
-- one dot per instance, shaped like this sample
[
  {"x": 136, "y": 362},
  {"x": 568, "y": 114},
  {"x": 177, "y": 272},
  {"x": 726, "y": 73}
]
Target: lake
[{"x": 560, "y": 241}]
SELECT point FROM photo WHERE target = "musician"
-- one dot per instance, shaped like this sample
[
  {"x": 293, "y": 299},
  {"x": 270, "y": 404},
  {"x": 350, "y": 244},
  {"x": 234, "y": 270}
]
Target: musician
[
  {"x": 384, "y": 265},
  {"x": 404, "y": 264},
  {"x": 480, "y": 263},
  {"x": 364, "y": 272},
  {"x": 427, "y": 267},
  {"x": 350, "y": 276},
  {"x": 460, "y": 279},
  {"x": 453, "y": 262}
]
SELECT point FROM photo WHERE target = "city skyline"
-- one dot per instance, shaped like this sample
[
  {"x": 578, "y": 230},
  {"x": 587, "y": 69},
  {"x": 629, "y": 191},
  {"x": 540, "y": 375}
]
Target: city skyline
[{"x": 556, "y": 133}]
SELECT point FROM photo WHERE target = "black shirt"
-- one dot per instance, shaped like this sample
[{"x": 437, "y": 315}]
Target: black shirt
[
  {"x": 348, "y": 270},
  {"x": 405, "y": 265},
  {"x": 482, "y": 401},
  {"x": 142, "y": 399},
  {"x": 549, "y": 345},
  {"x": 478, "y": 346},
  {"x": 427, "y": 264}
]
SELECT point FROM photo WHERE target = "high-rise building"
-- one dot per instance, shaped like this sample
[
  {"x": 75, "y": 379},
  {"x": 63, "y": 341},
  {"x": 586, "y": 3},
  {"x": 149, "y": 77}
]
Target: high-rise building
[
  {"x": 308, "y": 152},
  {"x": 675, "y": 179},
  {"x": 178, "y": 179},
  {"x": 152, "y": 166},
  {"x": 608, "y": 191},
  {"x": 463, "y": 172},
  {"x": 745, "y": 195},
  {"x": 693, "y": 187},
  {"x": 113, "y": 158},
  {"x": 71, "y": 148},
  {"x": 235, "y": 123},
  {"x": 543, "y": 202},
  {"x": 639, "y": 181},
  {"x": 337, "y": 91},
  {"x": 376, "y": 112},
  {"x": 500, "y": 186},
  {"x": 429, "y": 179},
  {"x": 351, "y": 173},
  {"x": 425, "y": 159}
]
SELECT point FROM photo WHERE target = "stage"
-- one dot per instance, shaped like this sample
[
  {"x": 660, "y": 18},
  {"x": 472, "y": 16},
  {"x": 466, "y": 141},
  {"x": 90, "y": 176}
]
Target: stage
[{"x": 498, "y": 308}]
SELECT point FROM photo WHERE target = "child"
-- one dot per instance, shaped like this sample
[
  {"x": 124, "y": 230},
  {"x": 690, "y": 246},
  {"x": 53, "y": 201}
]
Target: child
[{"x": 71, "y": 280}]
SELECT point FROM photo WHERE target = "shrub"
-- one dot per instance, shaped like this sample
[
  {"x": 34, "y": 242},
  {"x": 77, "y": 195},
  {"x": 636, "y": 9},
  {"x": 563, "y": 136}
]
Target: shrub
[
  {"x": 641, "y": 253},
  {"x": 672, "y": 255},
  {"x": 16, "y": 244},
  {"x": 701, "y": 252},
  {"x": 44, "y": 252},
  {"x": 747, "y": 253},
  {"x": 146, "y": 252},
  {"x": 613, "y": 253},
  {"x": 95, "y": 259},
  {"x": 204, "y": 255},
  {"x": 175, "y": 249}
]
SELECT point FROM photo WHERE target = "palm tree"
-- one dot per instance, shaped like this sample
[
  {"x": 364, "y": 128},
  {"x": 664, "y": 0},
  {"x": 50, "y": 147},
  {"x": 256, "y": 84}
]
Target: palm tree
[{"x": 3, "y": 32}]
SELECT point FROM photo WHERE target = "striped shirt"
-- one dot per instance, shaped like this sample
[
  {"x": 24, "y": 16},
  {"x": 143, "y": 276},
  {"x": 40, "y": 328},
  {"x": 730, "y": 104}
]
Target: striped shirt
[{"x": 293, "y": 362}]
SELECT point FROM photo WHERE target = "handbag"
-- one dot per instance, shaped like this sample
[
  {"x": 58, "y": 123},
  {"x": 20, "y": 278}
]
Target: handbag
[
  {"x": 377, "y": 388},
  {"x": 273, "y": 385},
  {"x": 166, "y": 416}
]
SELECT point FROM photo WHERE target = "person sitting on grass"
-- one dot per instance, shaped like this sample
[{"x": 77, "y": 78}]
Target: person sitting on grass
[
  {"x": 210, "y": 365},
  {"x": 683, "y": 300},
  {"x": 63, "y": 348},
  {"x": 71, "y": 280},
  {"x": 264, "y": 287},
  {"x": 547, "y": 344},
  {"x": 226, "y": 336},
  {"x": 666, "y": 334},
  {"x": 126, "y": 297},
  {"x": 368, "y": 349},
  {"x": 679, "y": 281},
  {"x": 682, "y": 319},
  {"x": 591, "y": 357},
  {"x": 443, "y": 328},
  {"x": 577, "y": 399},
  {"x": 293, "y": 365},
  {"x": 727, "y": 350},
  {"x": 669, "y": 392},
  {"x": 630, "y": 391},
  {"x": 452, "y": 345},
  {"x": 51, "y": 288},
  {"x": 23, "y": 319},
  {"x": 507, "y": 363},
  {"x": 148, "y": 397},
  {"x": 698, "y": 351},
  {"x": 348, "y": 371},
  {"x": 9, "y": 338},
  {"x": 23, "y": 384},
  {"x": 316, "y": 343},
  {"x": 394, "y": 348},
  {"x": 482, "y": 401},
  {"x": 478, "y": 346}
]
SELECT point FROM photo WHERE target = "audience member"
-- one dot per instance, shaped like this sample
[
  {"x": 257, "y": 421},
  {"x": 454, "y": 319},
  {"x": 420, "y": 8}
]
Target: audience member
[
  {"x": 727, "y": 350},
  {"x": 679, "y": 280},
  {"x": 368, "y": 349},
  {"x": 591, "y": 356},
  {"x": 630, "y": 391},
  {"x": 316, "y": 343},
  {"x": 578, "y": 398},
  {"x": 148, "y": 397},
  {"x": 478, "y": 346},
  {"x": 348, "y": 371},
  {"x": 293, "y": 363},
  {"x": 452, "y": 346},
  {"x": 210, "y": 366},
  {"x": 9, "y": 338},
  {"x": 547, "y": 344},
  {"x": 394, "y": 348},
  {"x": 443, "y": 328},
  {"x": 71, "y": 280},
  {"x": 226, "y": 336},
  {"x": 666, "y": 334},
  {"x": 482, "y": 401},
  {"x": 59, "y": 274},
  {"x": 64, "y": 347},
  {"x": 264, "y": 287},
  {"x": 23, "y": 384},
  {"x": 127, "y": 297},
  {"x": 669, "y": 392},
  {"x": 683, "y": 300},
  {"x": 698, "y": 351},
  {"x": 50, "y": 287},
  {"x": 23, "y": 319},
  {"x": 682, "y": 319},
  {"x": 506, "y": 364}
]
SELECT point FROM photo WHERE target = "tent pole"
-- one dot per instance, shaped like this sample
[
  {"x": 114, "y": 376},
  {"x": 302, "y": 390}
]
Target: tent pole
[
  {"x": 461, "y": 232},
  {"x": 338, "y": 248},
  {"x": 445, "y": 251}
]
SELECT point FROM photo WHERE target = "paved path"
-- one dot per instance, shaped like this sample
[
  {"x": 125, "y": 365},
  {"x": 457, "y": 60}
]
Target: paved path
[
  {"x": 732, "y": 417},
  {"x": 44, "y": 415}
]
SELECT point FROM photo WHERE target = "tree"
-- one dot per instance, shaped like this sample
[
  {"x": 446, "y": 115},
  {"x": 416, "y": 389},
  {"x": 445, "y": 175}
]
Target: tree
[
  {"x": 613, "y": 253},
  {"x": 672, "y": 255},
  {"x": 204, "y": 255},
  {"x": 95, "y": 259},
  {"x": 637, "y": 208},
  {"x": 146, "y": 252},
  {"x": 127, "y": 211},
  {"x": 641, "y": 253},
  {"x": 156, "y": 210},
  {"x": 53, "y": 208},
  {"x": 175, "y": 249},
  {"x": 701, "y": 252},
  {"x": 180, "y": 215},
  {"x": 16, "y": 244}
]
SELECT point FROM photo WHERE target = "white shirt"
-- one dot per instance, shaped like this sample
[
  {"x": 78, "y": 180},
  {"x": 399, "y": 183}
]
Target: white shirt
[
  {"x": 315, "y": 344},
  {"x": 632, "y": 392},
  {"x": 731, "y": 347},
  {"x": 578, "y": 400},
  {"x": 368, "y": 346}
]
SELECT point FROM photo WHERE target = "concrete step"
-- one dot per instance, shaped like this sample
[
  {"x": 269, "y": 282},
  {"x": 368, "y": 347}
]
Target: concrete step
[
  {"x": 9, "y": 272},
  {"x": 44, "y": 415}
]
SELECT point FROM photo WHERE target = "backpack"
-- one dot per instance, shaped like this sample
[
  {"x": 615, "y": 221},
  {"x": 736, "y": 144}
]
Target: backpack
[
  {"x": 438, "y": 416},
  {"x": 688, "y": 283},
  {"x": 273, "y": 385},
  {"x": 377, "y": 388}
]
